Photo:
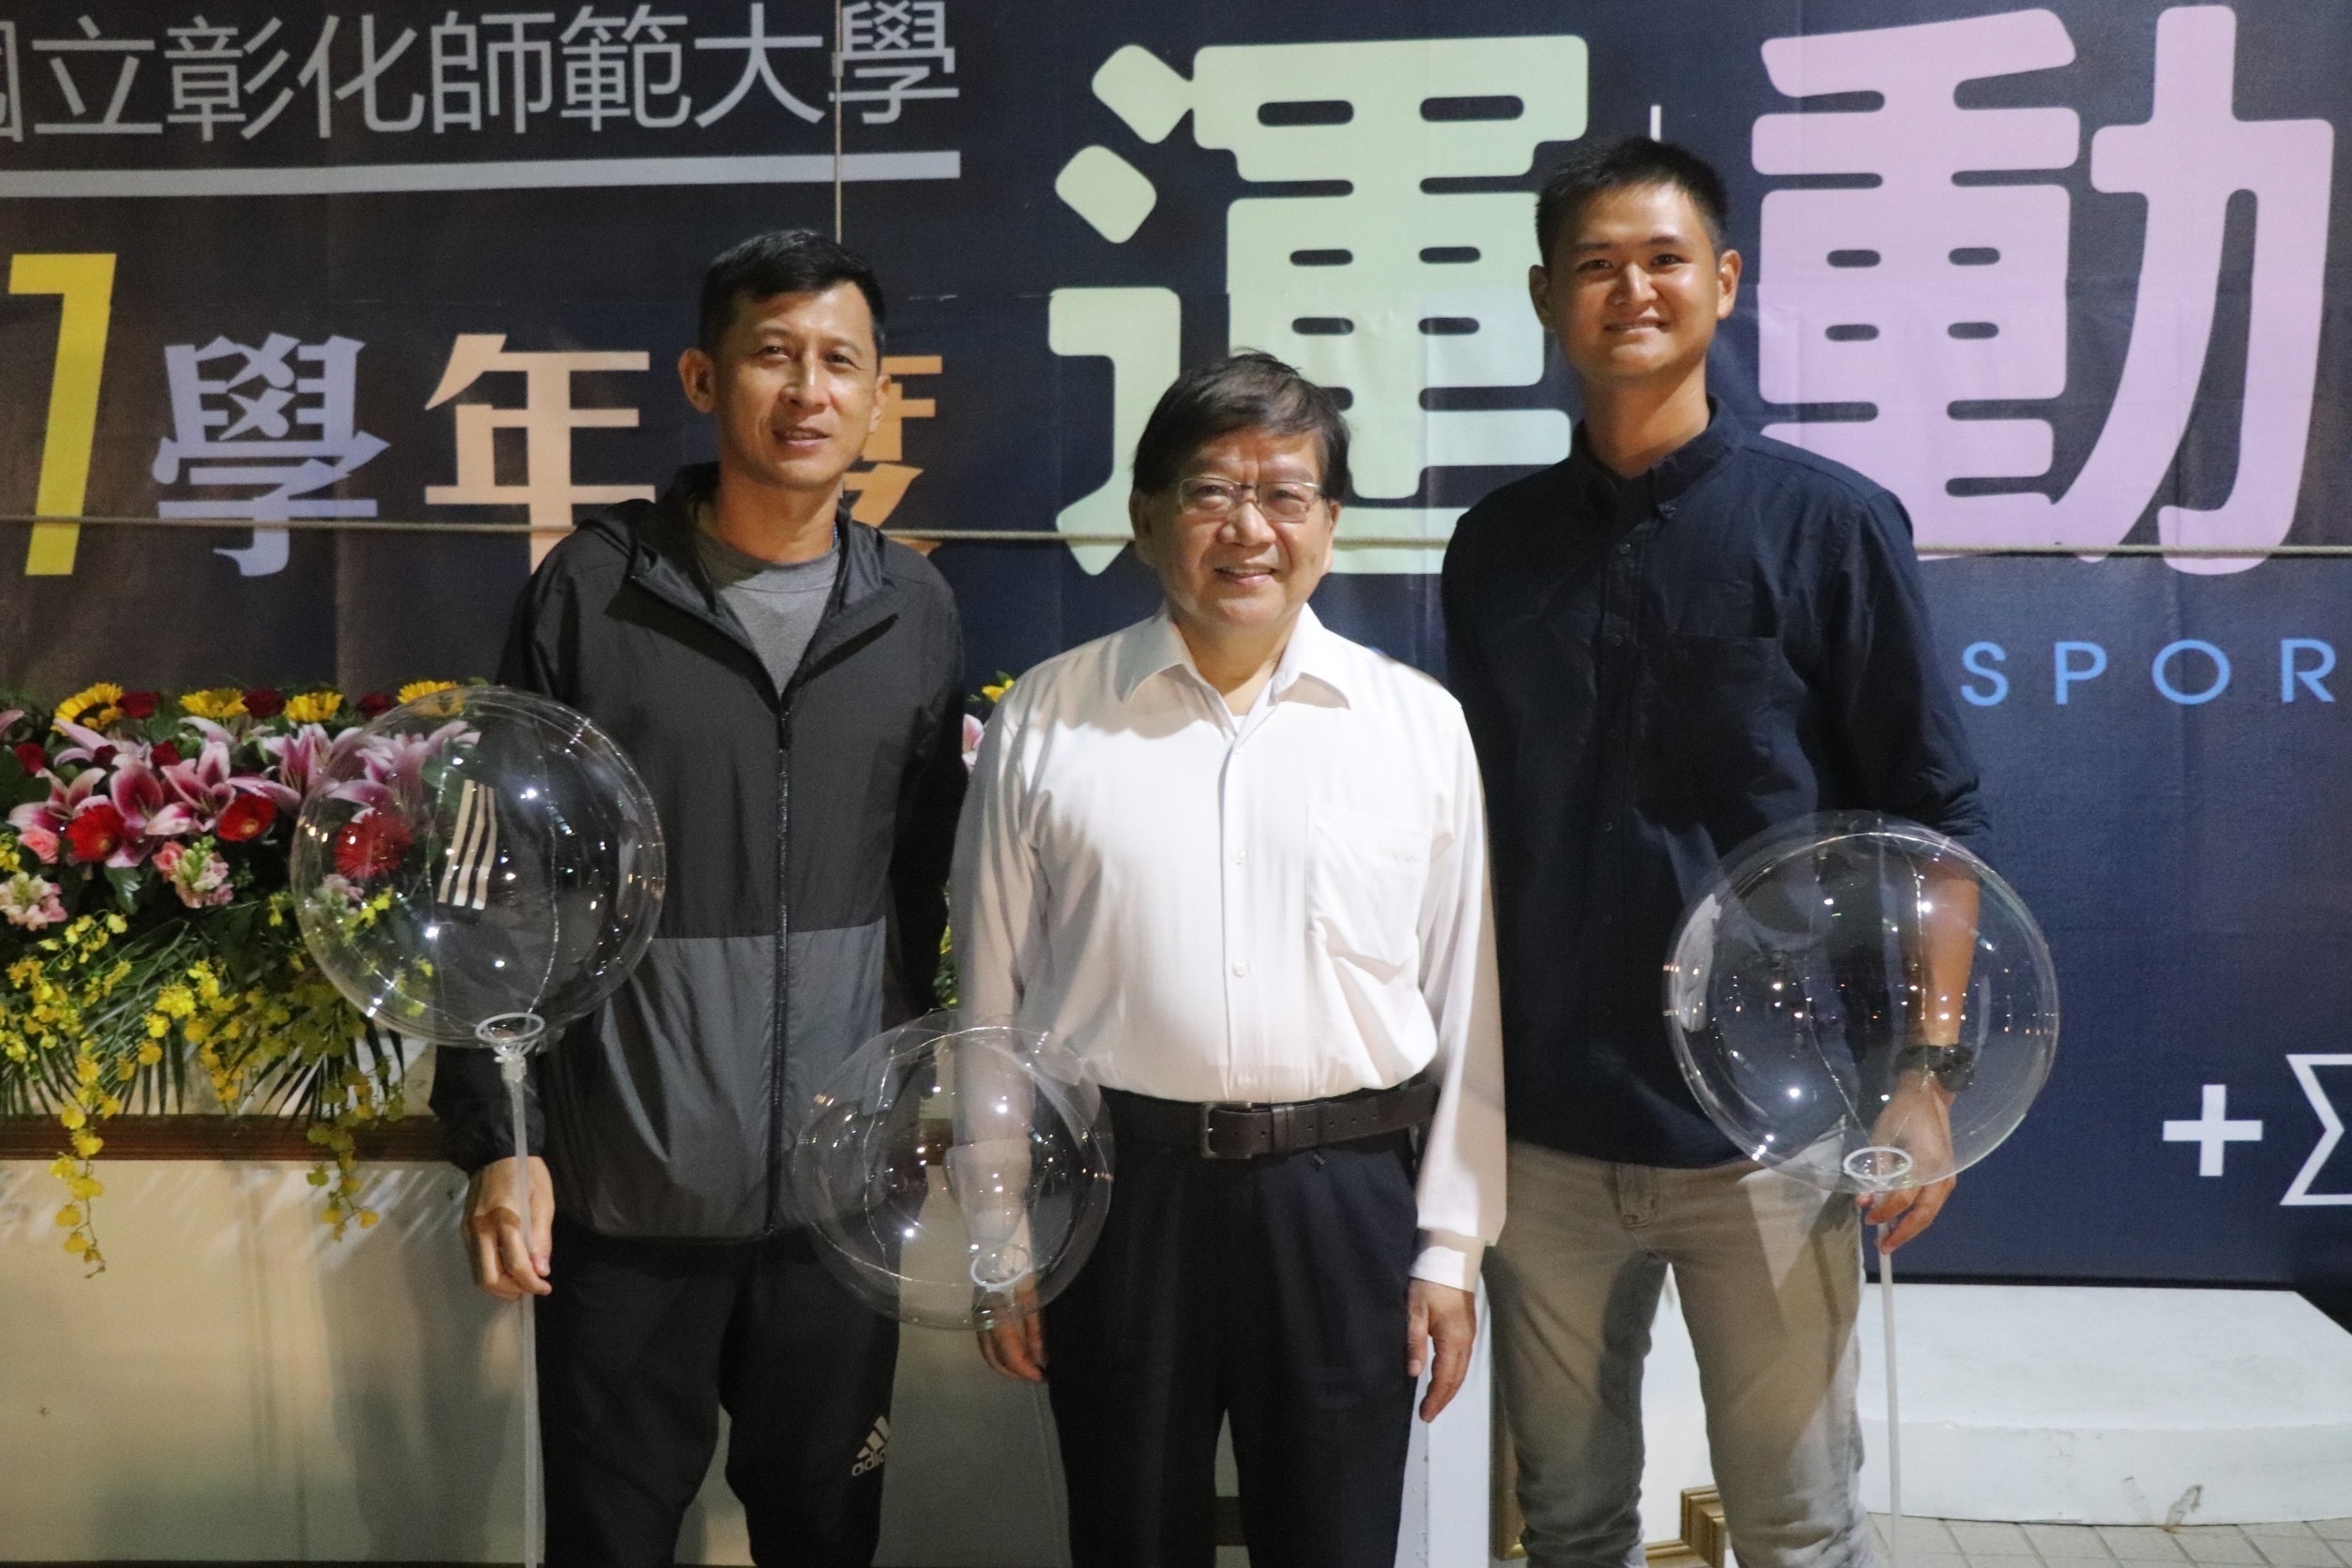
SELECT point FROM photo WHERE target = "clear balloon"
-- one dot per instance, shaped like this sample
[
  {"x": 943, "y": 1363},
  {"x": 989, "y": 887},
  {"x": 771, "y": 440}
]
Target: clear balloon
[
  {"x": 478, "y": 867},
  {"x": 955, "y": 1177},
  {"x": 1861, "y": 1003}
]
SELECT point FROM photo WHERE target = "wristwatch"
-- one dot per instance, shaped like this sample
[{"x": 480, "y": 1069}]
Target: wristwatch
[{"x": 1953, "y": 1066}]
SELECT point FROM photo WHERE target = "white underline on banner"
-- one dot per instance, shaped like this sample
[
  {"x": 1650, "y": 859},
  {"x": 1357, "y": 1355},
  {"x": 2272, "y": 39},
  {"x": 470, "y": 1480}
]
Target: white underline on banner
[{"x": 363, "y": 179}]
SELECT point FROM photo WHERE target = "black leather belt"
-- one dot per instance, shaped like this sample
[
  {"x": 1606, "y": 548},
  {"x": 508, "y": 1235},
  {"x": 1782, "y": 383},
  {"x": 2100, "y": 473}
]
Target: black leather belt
[{"x": 1227, "y": 1131}]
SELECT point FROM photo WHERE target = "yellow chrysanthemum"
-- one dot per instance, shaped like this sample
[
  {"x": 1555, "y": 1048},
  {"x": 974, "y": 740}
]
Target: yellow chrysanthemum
[
  {"x": 995, "y": 691},
  {"x": 415, "y": 689},
  {"x": 217, "y": 704},
  {"x": 314, "y": 707},
  {"x": 94, "y": 702}
]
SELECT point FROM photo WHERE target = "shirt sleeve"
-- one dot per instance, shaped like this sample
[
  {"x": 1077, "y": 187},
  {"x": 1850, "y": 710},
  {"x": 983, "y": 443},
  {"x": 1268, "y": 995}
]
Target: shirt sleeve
[
  {"x": 1461, "y": 1187},
  {"x": 1897, "y": 716},
  {"x": 994, "y": 888}
]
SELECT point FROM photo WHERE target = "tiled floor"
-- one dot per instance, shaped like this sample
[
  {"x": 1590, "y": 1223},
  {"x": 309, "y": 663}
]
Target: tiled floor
[{"x": 1969, "y": 1544}]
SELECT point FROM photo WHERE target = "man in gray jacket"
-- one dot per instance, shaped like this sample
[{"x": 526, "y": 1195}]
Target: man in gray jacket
[{"x": 789, "y": 684}]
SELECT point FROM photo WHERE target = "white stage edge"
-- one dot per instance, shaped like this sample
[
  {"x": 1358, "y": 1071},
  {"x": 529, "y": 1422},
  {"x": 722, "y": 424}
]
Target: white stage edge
[{"x": 2099, "y": 1405}]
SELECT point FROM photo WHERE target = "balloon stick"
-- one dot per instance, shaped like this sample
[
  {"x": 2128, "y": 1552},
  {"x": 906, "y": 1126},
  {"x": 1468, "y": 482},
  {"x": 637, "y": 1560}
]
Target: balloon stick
[
  {"x": 1894, "y": 1409},
  {"x": 511, "y": 1063}
]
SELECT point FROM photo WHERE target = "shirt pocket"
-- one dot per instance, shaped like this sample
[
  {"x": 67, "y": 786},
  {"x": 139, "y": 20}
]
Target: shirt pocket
[{"x": 1364, "y": 886}]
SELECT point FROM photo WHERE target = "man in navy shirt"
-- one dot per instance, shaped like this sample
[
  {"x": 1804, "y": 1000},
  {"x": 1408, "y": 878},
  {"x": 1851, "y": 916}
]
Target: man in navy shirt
[{"x": 1677, "y": 637}]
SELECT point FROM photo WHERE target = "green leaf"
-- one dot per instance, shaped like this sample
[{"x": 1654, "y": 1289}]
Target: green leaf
[
  {"x": 128, "y": 886},
  {"x": 16, "y": 785}
]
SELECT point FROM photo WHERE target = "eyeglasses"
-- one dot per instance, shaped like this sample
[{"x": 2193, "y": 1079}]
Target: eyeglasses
[{"x": 1214, "y": 499}]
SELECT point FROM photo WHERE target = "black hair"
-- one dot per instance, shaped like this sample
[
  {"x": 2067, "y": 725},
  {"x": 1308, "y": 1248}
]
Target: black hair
[
  {"x": 780, "y": 262},
  {"x": 1246, "y": 391},
  {"x": 1628, "y": 162}
]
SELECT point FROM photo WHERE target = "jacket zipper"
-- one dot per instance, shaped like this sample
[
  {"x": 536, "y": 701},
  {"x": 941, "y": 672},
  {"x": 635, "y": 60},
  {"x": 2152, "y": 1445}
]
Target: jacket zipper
[{"x": 778, "y": 1140}]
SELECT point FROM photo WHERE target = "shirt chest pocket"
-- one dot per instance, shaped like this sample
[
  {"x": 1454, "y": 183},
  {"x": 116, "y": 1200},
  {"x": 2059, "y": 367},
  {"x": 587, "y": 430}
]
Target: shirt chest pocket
[{"x": 1365, "y": 879}]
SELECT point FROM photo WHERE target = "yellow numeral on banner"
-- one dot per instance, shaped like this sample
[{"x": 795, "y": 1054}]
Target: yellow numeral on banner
[{"x": 87, "y": 284}]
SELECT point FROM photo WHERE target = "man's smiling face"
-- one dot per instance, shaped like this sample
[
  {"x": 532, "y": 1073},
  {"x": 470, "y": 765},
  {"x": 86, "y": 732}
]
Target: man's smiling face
[
  {"x": 1244, "y": 570},
  {"x": 1634, "y": 286},
  {"x": 795, "y": 387}
]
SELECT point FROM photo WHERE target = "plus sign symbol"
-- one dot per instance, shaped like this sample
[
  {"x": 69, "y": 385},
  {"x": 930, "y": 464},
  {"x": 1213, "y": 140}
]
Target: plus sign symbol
[{"x": 2213, "y": 1131}]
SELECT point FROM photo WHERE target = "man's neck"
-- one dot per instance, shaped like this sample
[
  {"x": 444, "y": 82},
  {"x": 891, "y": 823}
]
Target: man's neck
[
  {"x": 1237, "y": 662},
  {"x": 1631, "y": 429},
  {"x": 770, "y": 524}
]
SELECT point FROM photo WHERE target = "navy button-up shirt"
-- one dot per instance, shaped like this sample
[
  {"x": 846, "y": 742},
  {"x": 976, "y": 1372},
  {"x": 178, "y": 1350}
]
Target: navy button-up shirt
[{"x": 1654, "y": 671}]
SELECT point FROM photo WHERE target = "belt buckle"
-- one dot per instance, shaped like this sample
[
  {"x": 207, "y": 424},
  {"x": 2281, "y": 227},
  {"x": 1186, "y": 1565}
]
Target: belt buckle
[{"x": 1209, "y": 1150}]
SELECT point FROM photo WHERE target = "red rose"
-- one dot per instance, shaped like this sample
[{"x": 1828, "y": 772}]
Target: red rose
[
  {"x": 246, "y": 816},
  {"x": 375, "y": 702},
  {"x": 164, "y": 754},
  {"x": 370, "y": 845},
  {"x": 94, "y": 832},
  {"x": 30, "y": 757},
  {"x": 263, "y": 703},
  {"x": 137, "y": 704}
]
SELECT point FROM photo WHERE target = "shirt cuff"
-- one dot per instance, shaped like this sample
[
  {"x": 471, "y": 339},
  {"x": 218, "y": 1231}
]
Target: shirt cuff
[{"x": 1447, "y": 1259}]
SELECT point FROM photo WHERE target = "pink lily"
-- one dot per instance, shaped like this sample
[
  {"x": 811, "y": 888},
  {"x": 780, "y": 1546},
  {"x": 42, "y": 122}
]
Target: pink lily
[
  {"x": 148, "y": 812},
  {"x": 41, "y": 824},
  {"x": 302, "y": 760}
]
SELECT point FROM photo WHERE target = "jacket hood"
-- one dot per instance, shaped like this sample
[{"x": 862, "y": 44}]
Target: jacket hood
[{"x": 656, "y": 539}]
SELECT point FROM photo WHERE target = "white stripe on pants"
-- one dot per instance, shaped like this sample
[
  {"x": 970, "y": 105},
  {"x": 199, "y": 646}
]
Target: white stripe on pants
[{"x": 1769, "y": 1274}]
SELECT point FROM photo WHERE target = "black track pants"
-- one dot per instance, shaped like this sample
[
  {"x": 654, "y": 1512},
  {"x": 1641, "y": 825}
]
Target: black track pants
[
  {"x": 1269, "y": 1291},
  {"x": 643, "y": 1342}
]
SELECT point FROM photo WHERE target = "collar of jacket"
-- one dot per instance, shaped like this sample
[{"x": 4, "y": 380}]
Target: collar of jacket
[
  {"x": 664, "y": 562},
  {"x": 1666, "y": 480}
]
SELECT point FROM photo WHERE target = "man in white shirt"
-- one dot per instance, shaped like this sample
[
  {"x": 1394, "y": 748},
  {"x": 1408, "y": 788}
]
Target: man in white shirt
[{"x": 1238, "y": 863}]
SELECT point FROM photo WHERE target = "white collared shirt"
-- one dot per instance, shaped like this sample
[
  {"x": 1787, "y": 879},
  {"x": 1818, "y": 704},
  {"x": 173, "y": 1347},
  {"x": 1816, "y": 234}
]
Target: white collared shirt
[{"x": 1285, "y": 905}]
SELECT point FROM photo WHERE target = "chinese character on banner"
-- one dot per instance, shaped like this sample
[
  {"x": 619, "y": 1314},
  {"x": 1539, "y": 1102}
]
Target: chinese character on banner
[
  {"x": 547, "y": 420},
  {"x": 371, "y": 68},
  {"x": 456, "y": 62},
  {"x": 207, "y": 73},
  {"x": 259, "y": 421},
  {"x": 1921, "y": 292},
  {"x": 757, "y": 44},
  {"x": 880, "y": 488},
  {"x": 1348, "y": 287},
  {"x": 95, "y": 99},
  {"x": 11, "y": 95},
  {"x": 615, "y": 68},
  {"x": 523, "y": 59},
  {"x": 314, "y": 74},
  {"x": 897, "y": 43}
]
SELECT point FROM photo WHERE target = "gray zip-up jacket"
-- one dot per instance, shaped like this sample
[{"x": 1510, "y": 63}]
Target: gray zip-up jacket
[{"x": 810, "y": 833}]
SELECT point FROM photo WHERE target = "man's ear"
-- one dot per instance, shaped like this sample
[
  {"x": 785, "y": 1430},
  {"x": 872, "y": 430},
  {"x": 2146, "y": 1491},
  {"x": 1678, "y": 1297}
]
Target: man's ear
[
  {"x": 884, "y": 386},
  {"x": 1139, "y": 521},
  {"x": 698, "y": 374},
  {"x": 1539, "y": 282},
  {"x": 1727, "y": 273}
]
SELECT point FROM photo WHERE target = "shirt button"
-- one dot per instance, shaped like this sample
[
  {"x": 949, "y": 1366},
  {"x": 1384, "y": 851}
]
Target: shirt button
[
  {"x": 1240, "y": 856},
  {"x": 1625, "y": 548},
  {"x": 1614, "y": 640},
  {"x": 1242, "y": 969}
]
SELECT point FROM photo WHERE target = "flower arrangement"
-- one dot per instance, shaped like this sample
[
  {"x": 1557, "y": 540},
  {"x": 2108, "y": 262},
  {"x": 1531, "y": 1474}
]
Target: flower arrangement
[{"x": 146, "y": 930}]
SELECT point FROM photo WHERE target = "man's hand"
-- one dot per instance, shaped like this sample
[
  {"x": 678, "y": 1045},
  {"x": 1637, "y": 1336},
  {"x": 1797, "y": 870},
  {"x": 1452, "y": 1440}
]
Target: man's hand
[
  {"x": 1018, "y": 1349},
  {"x": 1439, "y": 1324},
  {"x": 1917, "y": 1120},
  {"x": 502, "y": 1265}
]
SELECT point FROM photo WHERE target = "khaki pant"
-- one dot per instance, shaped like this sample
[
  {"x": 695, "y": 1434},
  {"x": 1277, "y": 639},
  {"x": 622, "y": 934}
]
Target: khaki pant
[{"x": 1769, "y": 1274}]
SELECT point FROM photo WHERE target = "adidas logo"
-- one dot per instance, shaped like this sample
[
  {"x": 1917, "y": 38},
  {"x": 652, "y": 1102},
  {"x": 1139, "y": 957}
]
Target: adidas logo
[{"x": 876, "y": 1450}]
